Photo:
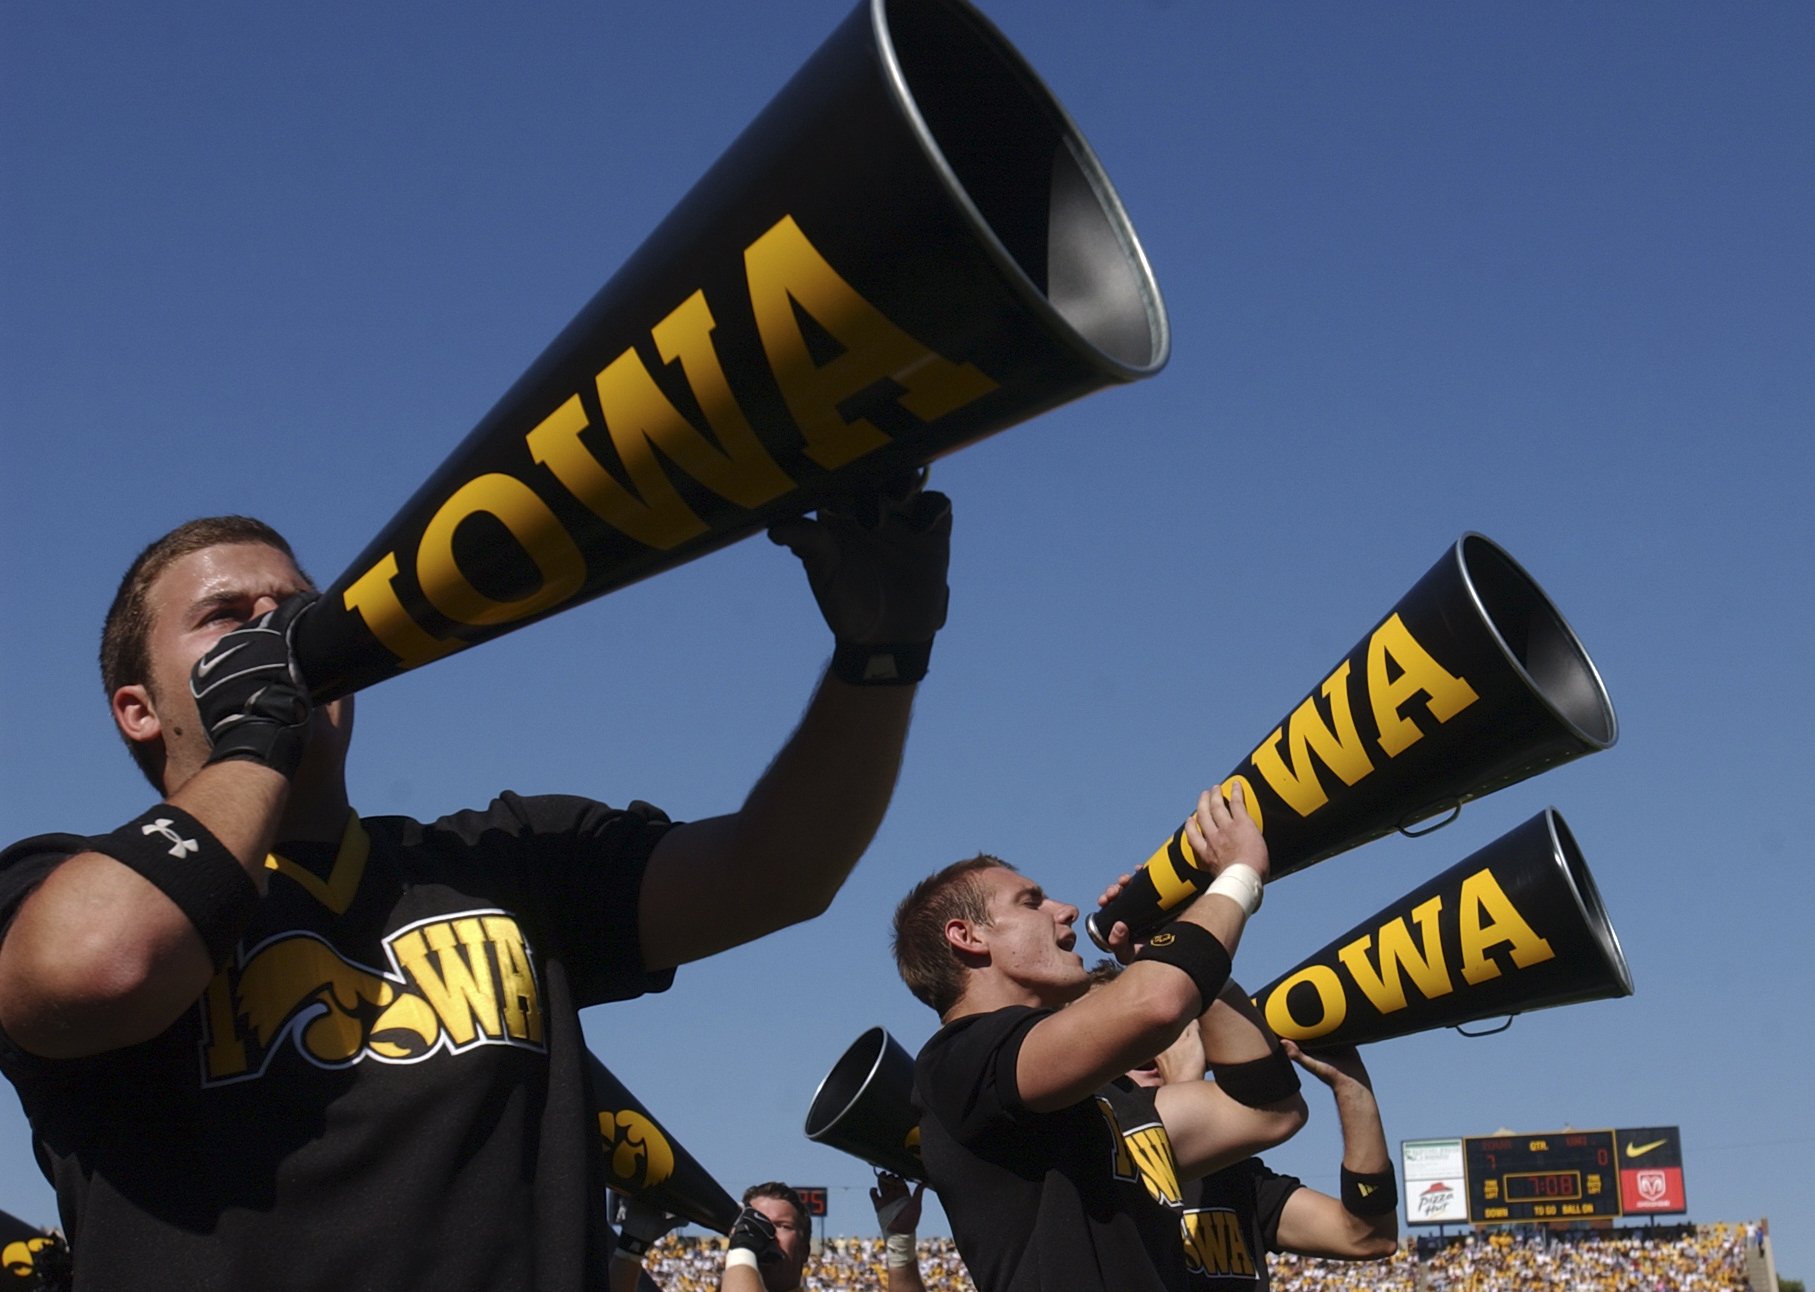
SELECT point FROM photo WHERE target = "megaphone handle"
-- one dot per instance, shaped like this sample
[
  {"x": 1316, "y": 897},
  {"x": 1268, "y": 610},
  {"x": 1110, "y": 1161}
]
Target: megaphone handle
[
  {"x": 1455, "y": 810},
  {"x": 1492, "y": 1031}
]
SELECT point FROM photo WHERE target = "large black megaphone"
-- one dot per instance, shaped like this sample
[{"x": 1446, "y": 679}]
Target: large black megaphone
[
  {"x": 644, "y": 1160},
  {"x": 1473, "y": 682},
  {"x": 865, "y": 1106},
  {"x": 910, "y": 248},
  {"x": 1517, "y": 926}
]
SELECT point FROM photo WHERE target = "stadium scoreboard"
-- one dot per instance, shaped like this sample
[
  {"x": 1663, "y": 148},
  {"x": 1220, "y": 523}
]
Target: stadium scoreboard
[
  {"x": 1550, "y": 1177},
  {"x": 1559, "y": 1175}
]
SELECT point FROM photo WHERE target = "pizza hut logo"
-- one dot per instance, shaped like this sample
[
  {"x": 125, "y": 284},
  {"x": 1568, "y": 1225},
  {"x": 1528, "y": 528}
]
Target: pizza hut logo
[
  {"x": 1653, "y": 1186},
  {"x": 1435, "y": 1200}
]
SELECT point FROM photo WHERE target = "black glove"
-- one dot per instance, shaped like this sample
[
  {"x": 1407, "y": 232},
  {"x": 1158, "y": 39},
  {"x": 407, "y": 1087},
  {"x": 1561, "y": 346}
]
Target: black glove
[
  {"x": 755, "y": 1232},
  {"x": 250, "y": 695},
  {"x": 877, "y": 567}
]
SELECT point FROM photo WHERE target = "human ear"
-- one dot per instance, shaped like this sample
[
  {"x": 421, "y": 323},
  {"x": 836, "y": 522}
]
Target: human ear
[
  {"x": 961, "y": 935},
  {"x": 136, "y": 714}
]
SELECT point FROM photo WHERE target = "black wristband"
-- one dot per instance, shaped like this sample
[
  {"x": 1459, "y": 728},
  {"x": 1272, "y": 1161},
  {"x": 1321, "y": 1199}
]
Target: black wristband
[
  {"x": 1258, "y": 1082},
  {"x": 1194, "y": 949},
  {"x": 863, "y": 665},
  {"x": 1369, "y": 1193},
  {"x": 632, "y": 1246},
  {"x": 192, "y": 868}
]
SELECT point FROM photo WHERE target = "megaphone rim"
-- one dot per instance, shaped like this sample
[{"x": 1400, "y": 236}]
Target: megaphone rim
[
  {"x": 880, "y": 1036},
  {"x": 1470, "y": 575},
  {"x": 1574, "y": 865},
  {"x": 1081, "y": 153}
]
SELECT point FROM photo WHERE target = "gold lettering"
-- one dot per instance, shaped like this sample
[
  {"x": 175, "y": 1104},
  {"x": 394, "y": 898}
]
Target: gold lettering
[
  {"x": 658, "y": 519},
  {"x": 530, "y": 522},
  {"x": 1422, "y": 960},
  {"x": 785, "y": 269},
  {"x": 1340, "y": 749},
  {"x": 461, "y": 990},
  {"x": 1170, "y": 881},
  {"x": 516, "y": 980},
  {"x": 1419, "y": 674},
  {"x": 372, "y": 597},
  {"x": 1237, "y": 1247},
  {"x": 1214, "y": 1243},
  {"x": 743, "y": 472},
  {"x": 1152, "y": 1152},
  {"x": 1333, "y": 1004},
  {"x": 642, "y": 422},
  {"x": 1204, "y": 1248},
  {"x": 1481, "y": 895}
]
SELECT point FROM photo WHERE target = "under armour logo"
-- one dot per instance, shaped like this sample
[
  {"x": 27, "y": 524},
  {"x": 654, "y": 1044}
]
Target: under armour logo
[{"x": 179, "y": 846}]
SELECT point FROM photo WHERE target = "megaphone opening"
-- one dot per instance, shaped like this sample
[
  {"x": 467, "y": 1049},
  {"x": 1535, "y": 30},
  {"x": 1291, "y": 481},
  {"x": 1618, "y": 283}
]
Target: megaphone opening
[
  {"x": 842, "y": 1086},
  {"x": 1600, "y": 928},
  {"x": 1537, "y": 640},
  {"x": 1032, "y": 187}
]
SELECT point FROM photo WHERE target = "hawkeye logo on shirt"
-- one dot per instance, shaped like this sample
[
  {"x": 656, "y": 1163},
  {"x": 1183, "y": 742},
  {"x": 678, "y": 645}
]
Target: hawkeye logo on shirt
[{"x": 454, "y": 982}]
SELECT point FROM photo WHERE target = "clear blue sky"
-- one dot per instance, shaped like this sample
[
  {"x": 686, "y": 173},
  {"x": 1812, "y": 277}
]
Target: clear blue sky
[{"x": 1541, "y": 270}]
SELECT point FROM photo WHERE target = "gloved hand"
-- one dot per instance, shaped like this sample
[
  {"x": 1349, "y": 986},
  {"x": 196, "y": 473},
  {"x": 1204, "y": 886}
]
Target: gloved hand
[
  {"x": 877, "y": 566},
  {"x": 249, "y": 694},
  {"x": 755, "y": 1232},
  {"x": 641, "y": 1226}
]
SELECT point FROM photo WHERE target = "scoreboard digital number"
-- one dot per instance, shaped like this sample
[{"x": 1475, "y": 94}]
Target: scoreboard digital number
[{"x": 1563, "y": 1175}]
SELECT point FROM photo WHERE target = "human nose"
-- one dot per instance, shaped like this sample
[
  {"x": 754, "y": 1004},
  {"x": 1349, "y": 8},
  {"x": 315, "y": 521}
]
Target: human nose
[
  {"x": 1065, "y": 913},
  {"x": 265, "y": 604}
]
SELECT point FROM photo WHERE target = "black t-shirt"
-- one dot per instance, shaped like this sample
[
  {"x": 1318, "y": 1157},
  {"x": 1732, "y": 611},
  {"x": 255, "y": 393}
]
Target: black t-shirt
[
  {"x": 1231, "y": 1222},
  {"x": 1084, "y": 1198},
  {"x": 384, "y": 1088}
]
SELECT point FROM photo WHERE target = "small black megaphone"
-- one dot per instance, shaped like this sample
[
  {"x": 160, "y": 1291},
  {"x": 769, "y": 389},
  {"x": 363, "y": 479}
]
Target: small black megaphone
[{"x": 865, "y": 1106}]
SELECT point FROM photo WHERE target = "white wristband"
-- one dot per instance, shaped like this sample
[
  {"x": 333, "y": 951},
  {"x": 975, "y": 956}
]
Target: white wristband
[
  {"x": 1240, "y": 883},
  {"x": 900, "y": 1250},
  {"x": 742, "y": 1256}
]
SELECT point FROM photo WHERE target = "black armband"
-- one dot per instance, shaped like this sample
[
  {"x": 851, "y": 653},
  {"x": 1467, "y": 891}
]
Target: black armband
[
  {"x": 1371, "y": 1193},
  {"x": 1196, "y": 950},
  {"x": 862, "y": 665},
  {"x": 192, "y": 868},
  {"x": 1258, "y": 1082}
]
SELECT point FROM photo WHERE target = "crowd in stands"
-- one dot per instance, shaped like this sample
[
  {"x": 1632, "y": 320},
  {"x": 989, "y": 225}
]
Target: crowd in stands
[{"x": 1707, "y": 1258}]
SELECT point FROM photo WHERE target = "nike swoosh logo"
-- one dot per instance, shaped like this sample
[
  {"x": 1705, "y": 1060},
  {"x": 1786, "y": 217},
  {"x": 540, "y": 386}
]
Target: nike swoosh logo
[
  {"x": 204, "y": 667},
  {"x": 1639, "y": 1150}
]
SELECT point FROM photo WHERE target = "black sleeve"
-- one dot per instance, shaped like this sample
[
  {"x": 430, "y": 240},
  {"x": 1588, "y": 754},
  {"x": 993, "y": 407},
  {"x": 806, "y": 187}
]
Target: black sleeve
[
  {"x": 579, "y": 863},
  {"x": 1271, "y": 1189},
  {"x": 966, "y": 1074},
  {"x": 24, "y": 866}
]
